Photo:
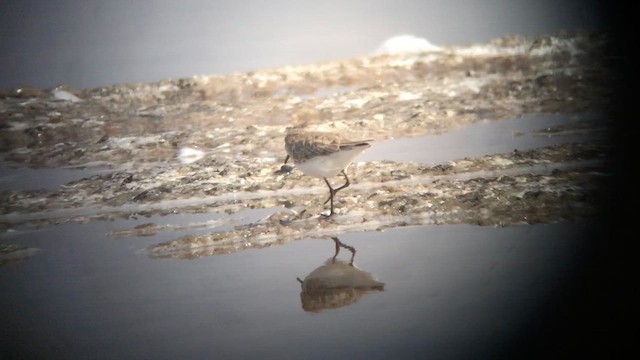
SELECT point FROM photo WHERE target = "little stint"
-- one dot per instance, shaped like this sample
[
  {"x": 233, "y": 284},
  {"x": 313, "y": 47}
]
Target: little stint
[{"x": 322, "y": 155}]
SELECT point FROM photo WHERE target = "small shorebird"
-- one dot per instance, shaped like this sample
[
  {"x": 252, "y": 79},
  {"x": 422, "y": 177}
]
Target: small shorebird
[{"x": 322, "y": 155}]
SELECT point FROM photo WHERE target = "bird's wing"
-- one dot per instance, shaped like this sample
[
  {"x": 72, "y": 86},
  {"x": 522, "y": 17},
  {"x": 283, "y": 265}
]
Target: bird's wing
[{"x": 353, "y": 144}]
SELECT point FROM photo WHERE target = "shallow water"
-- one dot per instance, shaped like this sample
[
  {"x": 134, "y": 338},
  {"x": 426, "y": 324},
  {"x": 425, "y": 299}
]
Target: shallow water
[
  {"x": 21, "y": 178},
  {"x": 489, "y": 137},
  {"x": 451, "y": 292}
]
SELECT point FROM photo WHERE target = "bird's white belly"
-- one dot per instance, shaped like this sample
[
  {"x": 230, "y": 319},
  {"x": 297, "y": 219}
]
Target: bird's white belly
[{"x": 328, "y": 165}]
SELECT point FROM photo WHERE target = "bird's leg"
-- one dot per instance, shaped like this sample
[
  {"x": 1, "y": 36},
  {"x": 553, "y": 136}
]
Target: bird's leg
[
  {"x": 286, "y": 159},
  {"x": 331, "y": 193},
  {"x": 335, "y": 239},
  {"x": 340, "y": 244},
  {"x": 341, "y": 187},
  {"x": 345, "y": 184}
]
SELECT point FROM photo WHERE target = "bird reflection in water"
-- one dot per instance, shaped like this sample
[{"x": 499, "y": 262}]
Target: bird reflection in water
[{"x": 336, "y": 283}]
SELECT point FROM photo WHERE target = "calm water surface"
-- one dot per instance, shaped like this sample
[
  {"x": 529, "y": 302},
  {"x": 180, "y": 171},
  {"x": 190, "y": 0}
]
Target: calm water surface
[{"x": 452, "y": 292}]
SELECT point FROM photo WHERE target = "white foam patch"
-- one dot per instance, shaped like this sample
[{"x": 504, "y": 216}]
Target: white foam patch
[
  {"x": 63, "y": 95},
  {"x": 187, "y": 155},
  {"x": 405, "y": 44}
]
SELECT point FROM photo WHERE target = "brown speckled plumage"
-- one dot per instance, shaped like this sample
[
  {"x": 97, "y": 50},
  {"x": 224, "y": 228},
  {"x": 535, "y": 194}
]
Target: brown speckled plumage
[
  {"x": 304, "y": 145},
  {"x": 322, "y": 154}
]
